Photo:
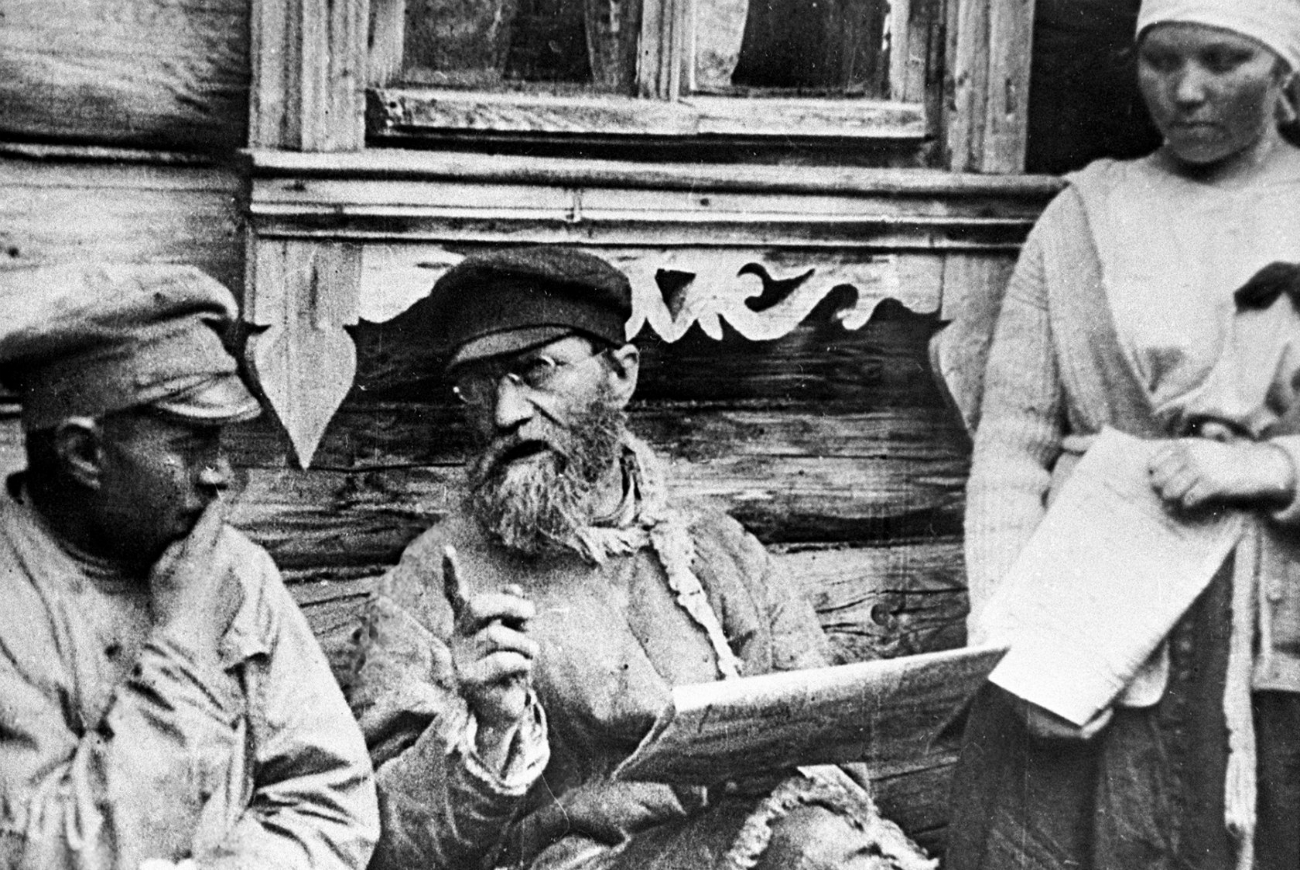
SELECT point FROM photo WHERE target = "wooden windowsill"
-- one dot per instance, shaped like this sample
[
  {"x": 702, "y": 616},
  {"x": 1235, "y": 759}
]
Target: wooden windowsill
[{"x": 407, "y": 110}]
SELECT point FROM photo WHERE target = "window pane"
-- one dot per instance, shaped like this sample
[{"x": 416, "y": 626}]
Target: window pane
[
  {"x": 821, "y": 46},
  {"x": 496, "y": 44}
]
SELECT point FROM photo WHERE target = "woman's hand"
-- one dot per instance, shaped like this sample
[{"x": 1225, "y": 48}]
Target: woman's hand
[{"x": 1194, "y": 472}]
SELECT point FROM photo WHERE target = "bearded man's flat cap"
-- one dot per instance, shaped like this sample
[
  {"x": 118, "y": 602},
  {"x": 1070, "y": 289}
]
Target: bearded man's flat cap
[{"x": 508, "y": 301}]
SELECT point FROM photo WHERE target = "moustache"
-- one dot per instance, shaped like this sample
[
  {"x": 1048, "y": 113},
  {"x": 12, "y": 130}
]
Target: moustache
[{"x": 502, "y": 453}]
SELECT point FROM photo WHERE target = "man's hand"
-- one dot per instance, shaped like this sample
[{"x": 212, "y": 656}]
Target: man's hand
[
  {"x": 194, "y": 593},
  {"x": 493, "y": 657},
  {"x": 1194, "y": 472}
]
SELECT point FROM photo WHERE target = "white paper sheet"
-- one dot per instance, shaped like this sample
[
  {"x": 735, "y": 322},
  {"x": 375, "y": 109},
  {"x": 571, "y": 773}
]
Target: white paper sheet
[{"x": 1102, "y": 581}]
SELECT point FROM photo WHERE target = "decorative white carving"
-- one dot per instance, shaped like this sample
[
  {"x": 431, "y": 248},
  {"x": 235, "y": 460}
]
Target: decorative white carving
[
  {"x": 303, "y": 360},
  {"x": 708, "y": 286}
]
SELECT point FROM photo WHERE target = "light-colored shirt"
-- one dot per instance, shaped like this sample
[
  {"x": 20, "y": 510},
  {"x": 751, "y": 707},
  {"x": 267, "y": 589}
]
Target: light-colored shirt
[{"x": 121, "y": 745}]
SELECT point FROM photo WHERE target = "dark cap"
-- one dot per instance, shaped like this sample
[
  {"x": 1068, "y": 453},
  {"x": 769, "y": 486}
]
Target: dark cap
[
  {"x": 508, "y": 301},
  {"x": 84, "y": 340}
]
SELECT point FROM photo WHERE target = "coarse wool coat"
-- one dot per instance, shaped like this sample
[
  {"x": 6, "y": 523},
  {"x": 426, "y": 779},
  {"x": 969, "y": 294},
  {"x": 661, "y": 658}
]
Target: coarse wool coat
[
  {"x": 120, "y": 747},
  {"x": 613, "y": 642}
]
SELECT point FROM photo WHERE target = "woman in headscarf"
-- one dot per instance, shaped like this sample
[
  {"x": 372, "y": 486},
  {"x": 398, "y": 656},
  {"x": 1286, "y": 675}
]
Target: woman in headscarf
[{"x": 1124, "y": 311}]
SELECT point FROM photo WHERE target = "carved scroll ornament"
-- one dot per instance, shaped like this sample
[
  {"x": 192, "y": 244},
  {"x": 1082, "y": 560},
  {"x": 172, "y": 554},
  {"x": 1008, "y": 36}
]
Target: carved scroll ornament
[{"x": 762, "y": 295}]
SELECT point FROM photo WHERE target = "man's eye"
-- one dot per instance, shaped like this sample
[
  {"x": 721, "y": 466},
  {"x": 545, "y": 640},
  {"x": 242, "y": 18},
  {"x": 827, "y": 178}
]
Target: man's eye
[{"x": 536, "y": 371}]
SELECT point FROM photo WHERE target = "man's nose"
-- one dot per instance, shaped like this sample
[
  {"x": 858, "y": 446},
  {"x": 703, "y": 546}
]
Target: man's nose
[
  {"x": 512, "y": 407},
  {"x": 216, "y": 474}
]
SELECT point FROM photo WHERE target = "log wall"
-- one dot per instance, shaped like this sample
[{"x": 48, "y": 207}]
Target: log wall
[{"x": 118, "y": 142}]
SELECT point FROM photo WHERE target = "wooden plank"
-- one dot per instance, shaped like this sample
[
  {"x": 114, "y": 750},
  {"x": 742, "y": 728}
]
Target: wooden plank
[
  {"x": 990, "y": 85},
  {"x": 309, "y": 65},
  {"x": 145, "y": 73},
  {"x": 1030, "y": 191},
  {"x": 387, "y": 40},
  {"x": 52, "y": 210},
  {"x": 408, "y": 110},
  {"x": 1007, "y": 109},
  {"x": 968, "y": 74}
]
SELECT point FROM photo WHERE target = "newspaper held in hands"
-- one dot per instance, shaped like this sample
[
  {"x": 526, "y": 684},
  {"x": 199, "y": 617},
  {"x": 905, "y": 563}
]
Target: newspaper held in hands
[
  {"x": 1102, "y": 581},
  {"x": 887, "y": 713}
]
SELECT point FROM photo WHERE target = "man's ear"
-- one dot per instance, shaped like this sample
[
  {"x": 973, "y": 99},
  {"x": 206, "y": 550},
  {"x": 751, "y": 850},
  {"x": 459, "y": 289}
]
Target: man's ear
[
  {"x": 624, "y": 367},
  {"x": 79, "y": 446}
]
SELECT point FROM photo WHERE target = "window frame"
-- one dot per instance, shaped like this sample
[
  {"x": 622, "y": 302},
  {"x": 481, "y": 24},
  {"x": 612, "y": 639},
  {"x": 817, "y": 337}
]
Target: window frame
[{"x": 665, "y": 105}]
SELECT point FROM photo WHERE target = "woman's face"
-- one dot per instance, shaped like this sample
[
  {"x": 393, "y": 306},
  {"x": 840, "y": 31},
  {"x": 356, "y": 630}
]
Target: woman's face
[{"x": 1213, "y": 93}]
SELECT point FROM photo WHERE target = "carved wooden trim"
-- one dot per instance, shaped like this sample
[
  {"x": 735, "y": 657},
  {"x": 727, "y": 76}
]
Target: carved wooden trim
[
  {"x": 301, "y": 357},
  {"x": 423, "y": 196},
  {"x": 760, "y": 293},
  {"x": 337, "y": 237}
]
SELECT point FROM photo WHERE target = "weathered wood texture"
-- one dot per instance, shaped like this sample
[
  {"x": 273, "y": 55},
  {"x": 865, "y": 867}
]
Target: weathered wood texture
[
  {"x": 309, "y": 71},
  {"x": 858, "y": 495},
  {"x": 834, "y": 447},
  {"x": 988, "y": 87},
  {"x": 57, "y": 205},
  {"x": 142, "y": 73}
]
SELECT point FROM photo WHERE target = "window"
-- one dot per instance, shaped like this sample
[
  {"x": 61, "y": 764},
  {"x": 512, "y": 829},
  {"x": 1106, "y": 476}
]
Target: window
[{"x": 802, "y": 69}]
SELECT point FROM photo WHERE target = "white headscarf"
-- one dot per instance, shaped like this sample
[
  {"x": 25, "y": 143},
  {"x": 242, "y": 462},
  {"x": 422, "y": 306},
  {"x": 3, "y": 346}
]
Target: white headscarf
[{"x": 1275, "y": 23}]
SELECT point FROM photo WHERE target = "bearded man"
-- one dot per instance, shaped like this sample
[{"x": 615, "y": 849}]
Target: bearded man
[{"x": 523, "y": 646}]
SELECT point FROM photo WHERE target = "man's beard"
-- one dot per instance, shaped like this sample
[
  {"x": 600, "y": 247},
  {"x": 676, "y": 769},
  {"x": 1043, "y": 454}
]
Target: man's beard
[{"x": 534, "y": 505}]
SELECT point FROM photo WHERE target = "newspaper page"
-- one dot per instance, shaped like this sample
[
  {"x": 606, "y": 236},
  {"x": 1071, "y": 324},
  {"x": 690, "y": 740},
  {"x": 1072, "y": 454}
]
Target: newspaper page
[
  {"x": 884, "y": 712},
  {"x": 1102, "y": 581}
]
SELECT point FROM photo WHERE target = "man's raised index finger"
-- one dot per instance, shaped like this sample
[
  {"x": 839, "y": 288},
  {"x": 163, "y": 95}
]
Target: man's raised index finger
[{"x": 452, "y": 586}]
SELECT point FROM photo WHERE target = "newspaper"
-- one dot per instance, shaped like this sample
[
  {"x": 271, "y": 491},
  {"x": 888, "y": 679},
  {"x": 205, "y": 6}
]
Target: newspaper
[
  {"x": 886, "y": 712},
  {"x": 1102, "y": 581}
]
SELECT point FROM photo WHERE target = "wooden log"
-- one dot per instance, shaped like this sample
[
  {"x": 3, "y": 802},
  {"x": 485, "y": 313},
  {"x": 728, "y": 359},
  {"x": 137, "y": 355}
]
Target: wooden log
[
  {"x": 56, "y": 207},
  {"x": 872, "y": 602},
  {"x": 348, "y": 518},
  {"x": 897, "y": 599},
  {"x": 387, "y": 435},
  {"x": 145, "y": 73}
]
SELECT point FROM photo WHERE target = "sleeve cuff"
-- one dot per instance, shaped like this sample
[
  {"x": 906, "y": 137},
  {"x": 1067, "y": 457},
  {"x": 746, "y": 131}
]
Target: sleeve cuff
[
  {"x": 528, "y": 756},
  {"x": 1289, "y": 514}
]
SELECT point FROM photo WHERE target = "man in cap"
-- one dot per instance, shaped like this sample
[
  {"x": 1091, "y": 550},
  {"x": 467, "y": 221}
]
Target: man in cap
[
  {"x": 523, "y": 646},
  {"x": 163, "y": 702}
]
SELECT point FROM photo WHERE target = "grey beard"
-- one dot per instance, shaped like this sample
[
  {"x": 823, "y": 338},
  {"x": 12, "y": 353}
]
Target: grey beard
[{"x": 535, "y": 507}]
